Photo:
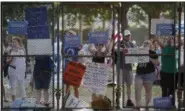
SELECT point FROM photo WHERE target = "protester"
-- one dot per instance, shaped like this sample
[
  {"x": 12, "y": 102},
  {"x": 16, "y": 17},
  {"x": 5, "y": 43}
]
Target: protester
[
  {"x": 125, "y": 69},
  {"x": 169, "y": 69},
  {"x": 17, "y": 68},
  {"x": 71, "y": 51},
  {"x": 42, "y": 77},
  {"x": 99, "y": 51},
  {"x": 145, "y": 76}
]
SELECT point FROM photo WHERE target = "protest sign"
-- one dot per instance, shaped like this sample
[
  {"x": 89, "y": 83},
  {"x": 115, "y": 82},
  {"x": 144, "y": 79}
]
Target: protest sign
[
  {"x": 36, "y": 16},
  {"x": 96, "y": 77},
  {"x": 73, "y": 102},
  {"x": 136, "y": 59},
  {"x": 72, "y": 41},
  {"x": 40, "y": 47},
  {"x": 74, "y": 73},
  {"x": 17, "y": 27},
  {"x": 98, "y": 37},
  {"x": 38, "y": 32},
  {"x": 162, "y": 27}
]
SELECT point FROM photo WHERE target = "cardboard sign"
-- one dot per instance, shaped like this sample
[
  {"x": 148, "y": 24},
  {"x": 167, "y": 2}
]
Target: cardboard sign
[
  {"x": 98, "y": 37},
  {"x": 136, "y": 59},
  {"x": 38, "y": 32},
  {"x": 72, "y": 41},
  {"x": 74, "y": 73},
  {"x": 96, "y": 78},
  {"x": 36, "y": 16},
  {"x": 17, "y": 27},
  {"x": 73, "y": 102}
]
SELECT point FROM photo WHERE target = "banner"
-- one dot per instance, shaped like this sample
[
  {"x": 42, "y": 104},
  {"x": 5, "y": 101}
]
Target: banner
[
  {"x": 98, "y": 37},
  {"x": 74, "y": 73},
  {"x": 96, "y": 77},
  {"x": 136, "y": 59},
  {"x": 72, "y": 41},
  {"x": 17, "y": 27}
]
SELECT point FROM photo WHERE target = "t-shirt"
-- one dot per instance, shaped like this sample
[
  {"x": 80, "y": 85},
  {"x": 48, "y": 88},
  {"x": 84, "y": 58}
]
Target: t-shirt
[
  {"x": 71, "y": 51},
  {"x": 125, "y": 44},
  {"x": 97, "y": 59},
  {"x": 169, "y": 62},
  {"x": 146, "y": 68},
  {"x": 43, "y": 63}
]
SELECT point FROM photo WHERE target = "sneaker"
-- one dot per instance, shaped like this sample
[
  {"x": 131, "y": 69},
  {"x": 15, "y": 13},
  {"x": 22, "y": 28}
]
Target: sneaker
[{"x": 130, "y": 103}]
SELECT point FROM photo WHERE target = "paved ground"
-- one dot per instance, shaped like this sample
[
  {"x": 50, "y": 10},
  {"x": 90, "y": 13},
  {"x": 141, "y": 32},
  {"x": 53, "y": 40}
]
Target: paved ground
[{"x": 85, "y": 95}]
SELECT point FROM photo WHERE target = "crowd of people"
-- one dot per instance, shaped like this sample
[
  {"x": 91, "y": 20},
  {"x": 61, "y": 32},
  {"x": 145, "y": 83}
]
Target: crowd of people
[{"x": 160, "y": 67}]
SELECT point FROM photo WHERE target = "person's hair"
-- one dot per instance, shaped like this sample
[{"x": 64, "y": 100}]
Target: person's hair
[
  {"x": 18, "y": 40},
  {"x": 101, "y": 103}
]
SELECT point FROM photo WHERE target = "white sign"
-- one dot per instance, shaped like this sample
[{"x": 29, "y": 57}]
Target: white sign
[
  {"x": 154, "y": 23},
  {"x": 73, "y": 102},
  {"x": 137, "y": 59},
  {"x": 40, "y": 47},
  {"x": 96, "y": 77}
]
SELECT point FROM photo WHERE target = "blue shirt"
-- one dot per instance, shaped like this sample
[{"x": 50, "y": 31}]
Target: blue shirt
[{"x": 73, "y": 51}]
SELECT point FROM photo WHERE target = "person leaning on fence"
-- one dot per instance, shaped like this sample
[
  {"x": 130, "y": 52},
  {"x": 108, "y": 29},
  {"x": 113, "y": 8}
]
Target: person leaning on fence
[
  {"x": 145, "y": 76},
  {"x": 17, "y": 68},
  {"x": 42, "y": 77},
  {"x": 71, "y": 51},
  {"x": 169, "y": 69}
]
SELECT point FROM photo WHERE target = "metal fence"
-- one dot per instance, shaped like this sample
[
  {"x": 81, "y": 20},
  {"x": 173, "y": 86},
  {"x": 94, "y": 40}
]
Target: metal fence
[{"x": 81, "y": 19}]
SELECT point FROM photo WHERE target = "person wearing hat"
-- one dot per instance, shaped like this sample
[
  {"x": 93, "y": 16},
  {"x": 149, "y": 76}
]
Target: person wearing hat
[{"x": 126, "y": 75}]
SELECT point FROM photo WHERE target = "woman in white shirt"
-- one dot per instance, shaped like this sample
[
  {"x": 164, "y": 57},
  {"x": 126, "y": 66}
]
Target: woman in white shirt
[{"x": 17, "y": 67}]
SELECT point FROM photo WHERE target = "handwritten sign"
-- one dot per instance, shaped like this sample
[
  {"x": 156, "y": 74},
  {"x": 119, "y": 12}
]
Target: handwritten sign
[
  {"x": 72, "y": 41},
  {"x": 137, "y": 59},
  {"x": 38, "y": 32},
  {"x": 17, "y": 27},
  {"x": 73, "y": 102},
  {"x": 96, "y": 78},
  {"x": 36, "y": 16},
  {"x": 74, "y": 73},
  {"x": 98, "y": 37}
]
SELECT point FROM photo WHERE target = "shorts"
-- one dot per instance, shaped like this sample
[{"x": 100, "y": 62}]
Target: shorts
[
  {"x": 147, "y": 78},
  {"x": 126, "y": 76},
  {"x": 42, "y": 79}
]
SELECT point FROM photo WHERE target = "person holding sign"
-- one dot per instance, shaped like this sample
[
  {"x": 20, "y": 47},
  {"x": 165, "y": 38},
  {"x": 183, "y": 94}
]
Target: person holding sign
[
  {"x": 169, "y": 69},
  {"x": 71, "y": 51},
  {"x": 126, "y": 69},
  {"x": 17, "y": 68},
  {"x": 99, "y": 50},
  {"x": 145, "y": 75}
]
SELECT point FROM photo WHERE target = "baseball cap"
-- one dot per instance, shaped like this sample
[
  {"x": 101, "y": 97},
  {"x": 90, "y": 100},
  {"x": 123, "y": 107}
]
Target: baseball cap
[{"x": 127, "y": 32}]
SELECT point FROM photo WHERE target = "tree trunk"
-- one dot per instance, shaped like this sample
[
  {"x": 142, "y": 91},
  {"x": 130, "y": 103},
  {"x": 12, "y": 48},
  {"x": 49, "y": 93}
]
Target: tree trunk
[{"x": 123, "y": 15}]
